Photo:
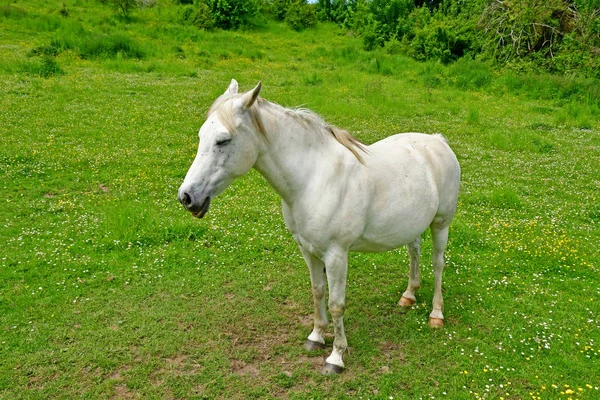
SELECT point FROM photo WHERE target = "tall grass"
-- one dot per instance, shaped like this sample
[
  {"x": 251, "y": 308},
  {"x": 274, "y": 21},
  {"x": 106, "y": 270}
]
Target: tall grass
[{"x": 101, "y": 46}]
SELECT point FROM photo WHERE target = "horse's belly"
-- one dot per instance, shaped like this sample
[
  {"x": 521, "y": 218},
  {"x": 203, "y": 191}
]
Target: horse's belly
[
  {"x": 366, "y": 246},
  {"x": 391, "y": 234}
]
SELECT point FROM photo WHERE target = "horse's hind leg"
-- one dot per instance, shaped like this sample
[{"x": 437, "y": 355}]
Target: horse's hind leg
[
  {"x": 414, "y": 277},
  {"x": 439, "y": 235}
]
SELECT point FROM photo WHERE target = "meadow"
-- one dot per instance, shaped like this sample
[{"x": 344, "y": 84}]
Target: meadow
[{"x": 109, "y": 289}]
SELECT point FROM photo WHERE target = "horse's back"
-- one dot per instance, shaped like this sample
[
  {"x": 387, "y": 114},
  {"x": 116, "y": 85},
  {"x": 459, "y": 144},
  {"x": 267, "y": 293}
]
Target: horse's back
[{"x": 429, "y": 154}]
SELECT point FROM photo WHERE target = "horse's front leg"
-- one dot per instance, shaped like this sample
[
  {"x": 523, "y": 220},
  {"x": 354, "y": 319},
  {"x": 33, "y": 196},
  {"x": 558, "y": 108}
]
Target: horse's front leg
[
  {"x": 336, "y": 263},
  {"x": 317, "y": 278}
]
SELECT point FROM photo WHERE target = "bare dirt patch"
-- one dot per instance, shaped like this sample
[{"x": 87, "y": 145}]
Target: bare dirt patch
[
  {"x": 176, "y": 365},
  {"x": 122, "y": 392},
  {"x": 391, "y": 354},
  {"x": 239, "y": 367}
]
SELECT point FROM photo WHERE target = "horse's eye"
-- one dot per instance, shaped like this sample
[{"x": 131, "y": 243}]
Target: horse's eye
[{"x": 223, "y": 142}]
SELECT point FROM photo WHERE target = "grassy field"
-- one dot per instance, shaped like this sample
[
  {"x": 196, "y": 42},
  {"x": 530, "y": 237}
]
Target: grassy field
[{"x": 109, "y": 289}]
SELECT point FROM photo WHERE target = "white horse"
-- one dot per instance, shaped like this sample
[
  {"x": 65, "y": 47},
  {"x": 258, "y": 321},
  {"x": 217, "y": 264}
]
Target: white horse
[{"x": 338, "y": 194}]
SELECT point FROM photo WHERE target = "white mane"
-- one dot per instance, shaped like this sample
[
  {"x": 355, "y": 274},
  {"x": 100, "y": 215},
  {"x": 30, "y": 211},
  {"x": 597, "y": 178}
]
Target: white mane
[{"x": 263, "y": 110}]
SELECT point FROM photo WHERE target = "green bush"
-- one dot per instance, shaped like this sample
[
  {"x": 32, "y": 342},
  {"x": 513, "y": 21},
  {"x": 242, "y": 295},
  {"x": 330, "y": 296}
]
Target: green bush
[
  {"x": 199, "y": 16},
  {"x": 203, "y": 18},
  {"x": 279, "y": 9},
  {"x": 525, "y": 35},
  {"x": 231, "y": 14},
  {"x": 393, "y": 46},
  {"x": 358, "y": 16},
  {"x": 300, "y": 15},
  {"x": 337, "y": 11},
  {"x": 558, "y": 35},
  {"x": 372, "y": 36},
  {"x": 441, "y": 39}
]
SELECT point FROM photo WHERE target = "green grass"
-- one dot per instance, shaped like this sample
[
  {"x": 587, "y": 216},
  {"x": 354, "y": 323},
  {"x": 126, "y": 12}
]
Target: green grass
[{"x": 108, "y": 288}]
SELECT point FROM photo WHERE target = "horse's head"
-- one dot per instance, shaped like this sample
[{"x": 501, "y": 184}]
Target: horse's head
[{"x": 228, "y": 148}]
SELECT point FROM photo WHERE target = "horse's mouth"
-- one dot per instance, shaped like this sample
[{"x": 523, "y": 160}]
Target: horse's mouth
[{"x": 203, "y": 208}]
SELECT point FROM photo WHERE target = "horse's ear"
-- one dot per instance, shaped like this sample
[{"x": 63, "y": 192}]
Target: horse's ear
[
  {"x": 250, "y": 97},
  {"x": 233, "y": 87}
]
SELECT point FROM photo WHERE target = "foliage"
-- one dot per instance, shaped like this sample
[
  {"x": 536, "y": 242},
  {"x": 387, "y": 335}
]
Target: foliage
[
  {"x": 442, "y": 39},
  {"x": 335, "y": 10},
  {"x": 519, "y": 28},
  {"x": 124, "y": 6},
  {"x": 300, "y": 15},
  {"x": 556, "y": 35},
  {"x": 231, "y": 14},
  {"x": 198, "y": 15},
  {"x": 279, "y": 9}
]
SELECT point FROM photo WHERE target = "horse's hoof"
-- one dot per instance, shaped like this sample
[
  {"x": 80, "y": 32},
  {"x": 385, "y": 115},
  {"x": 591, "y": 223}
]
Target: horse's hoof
[
  {"x": 405, "y": 302},
  {"x": 332, "y": 369},
  {"x": 312, "y": 346},
  {"x": 436, "y": 322}
]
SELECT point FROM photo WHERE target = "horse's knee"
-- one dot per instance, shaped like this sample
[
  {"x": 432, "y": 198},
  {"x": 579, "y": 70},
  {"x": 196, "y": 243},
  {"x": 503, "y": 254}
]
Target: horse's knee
[
  {"x": 318, "y": 291},
  {"x": 336, "y": 309}
]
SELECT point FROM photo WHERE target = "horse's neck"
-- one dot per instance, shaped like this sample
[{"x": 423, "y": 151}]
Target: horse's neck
[{"x": 293, "y": 155}]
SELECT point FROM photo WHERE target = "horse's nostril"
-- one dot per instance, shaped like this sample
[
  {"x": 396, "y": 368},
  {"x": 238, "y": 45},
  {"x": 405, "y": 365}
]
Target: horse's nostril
[{"x": 186, "y": 200}]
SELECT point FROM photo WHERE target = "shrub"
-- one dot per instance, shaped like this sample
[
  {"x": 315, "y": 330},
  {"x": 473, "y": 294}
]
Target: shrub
[
  {"x": 334, "y": 10},
  {"x": 358, "y": 16},
  {"x": 231, "y": 14},
  {"x": 202, "y": 17},
  {"x": 520, "y": 28},
  {"x": 439, "y": 40},
  {"x": 279, "y": 9},
  {"x": 199, "y": 16},
  {"x": 300, "y": 15},
  {"x": 558, "y": 35},
  {"x": 393, "y": 46},
  {"x": 373, "y": 36}
]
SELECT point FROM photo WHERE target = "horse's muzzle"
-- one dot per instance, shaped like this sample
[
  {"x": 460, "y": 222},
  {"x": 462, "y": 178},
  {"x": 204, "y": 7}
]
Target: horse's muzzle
[{"x": 198, "y": 209}]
